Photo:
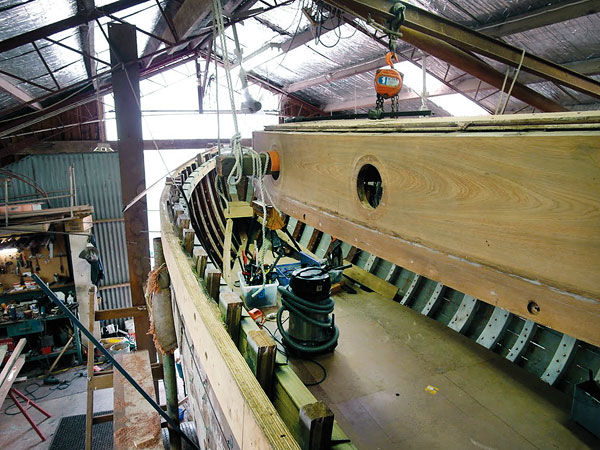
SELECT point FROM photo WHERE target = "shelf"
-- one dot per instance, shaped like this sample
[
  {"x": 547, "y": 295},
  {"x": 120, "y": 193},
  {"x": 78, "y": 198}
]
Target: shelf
[
  {"x": 50, "y": 355},
  {"x": 30, "y": 294}
]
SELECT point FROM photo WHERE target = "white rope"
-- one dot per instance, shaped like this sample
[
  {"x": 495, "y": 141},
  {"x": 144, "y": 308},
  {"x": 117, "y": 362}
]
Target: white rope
[
  {"x": 216, "y": 86},
  {"x": 513, "y": 82},
  {"x": 502, "y": 91},
  {"x": 236, "y": 140}
]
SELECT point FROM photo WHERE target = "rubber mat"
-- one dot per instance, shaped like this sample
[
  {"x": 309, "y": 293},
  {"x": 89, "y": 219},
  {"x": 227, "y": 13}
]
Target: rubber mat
[{"x": 70, "y": 434}]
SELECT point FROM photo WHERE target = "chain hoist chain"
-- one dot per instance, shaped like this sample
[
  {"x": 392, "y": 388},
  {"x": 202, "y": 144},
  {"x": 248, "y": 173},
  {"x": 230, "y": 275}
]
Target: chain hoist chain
[
  {"x": 379, "y": 102},
  {"x": 395, "y": 103}
]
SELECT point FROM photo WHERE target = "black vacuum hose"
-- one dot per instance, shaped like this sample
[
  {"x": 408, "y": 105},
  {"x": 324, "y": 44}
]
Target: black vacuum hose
[{"x": 302, "y": 308}]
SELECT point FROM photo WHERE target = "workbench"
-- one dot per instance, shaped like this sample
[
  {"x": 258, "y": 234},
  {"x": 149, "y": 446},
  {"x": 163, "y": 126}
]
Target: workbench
[{"x": 37, "y": 325}]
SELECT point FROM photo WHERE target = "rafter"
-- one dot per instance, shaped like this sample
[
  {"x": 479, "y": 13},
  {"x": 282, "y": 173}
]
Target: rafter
[
  {"x": 586, "y": 67},
  {"x": 65, "y": 24},
  {"x": 86, "y": 36},
  {"x": 164, "y": 26},
  {"x": 449, "y": 34},
  {"x": 7, "y": 86},
  {"x": 547, "y": 15}
]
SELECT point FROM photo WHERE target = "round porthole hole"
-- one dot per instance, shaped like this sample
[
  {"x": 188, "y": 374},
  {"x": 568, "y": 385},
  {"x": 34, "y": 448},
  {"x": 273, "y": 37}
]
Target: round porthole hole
[{"x": 369, "y": 186}]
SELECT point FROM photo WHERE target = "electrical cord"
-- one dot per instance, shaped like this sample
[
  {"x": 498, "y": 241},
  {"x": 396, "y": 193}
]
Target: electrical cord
[
  {"x": 32, "y": 388},
  {"x": 323, "y": 378}
]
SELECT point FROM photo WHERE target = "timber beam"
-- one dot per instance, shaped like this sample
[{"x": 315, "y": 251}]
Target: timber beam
[
  {"x": 131, "y": 164},
  {"x": 461, "y": 37},
  {"x": 548, "y": 15},
  {"x": 76, "y": 20},
  {"x": 9, "y": 87}
]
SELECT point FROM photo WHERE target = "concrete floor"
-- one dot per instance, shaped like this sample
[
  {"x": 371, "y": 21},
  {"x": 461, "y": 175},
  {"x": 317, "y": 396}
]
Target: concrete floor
[
  {"x": 15, "y": 431},
  {"x": 400, "y": 380}
]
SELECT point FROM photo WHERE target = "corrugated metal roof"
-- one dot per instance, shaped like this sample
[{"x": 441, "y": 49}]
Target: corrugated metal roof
[
  {"x": 567, "y": 41},
  {"x": 19, "y": 17}
]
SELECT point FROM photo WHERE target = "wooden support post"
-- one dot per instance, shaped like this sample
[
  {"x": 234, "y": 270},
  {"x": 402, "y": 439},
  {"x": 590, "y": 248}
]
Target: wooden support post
[
  {"x": 230, "y": 305},
  {"x": 227, "y": 253},
  {"x": 183, "y": 222},
  {"x": 159, "y": 257},
  {"x": 259, "y": 351},
  {"x": 201, "y": 262},
  {"x": 188, "y": 240},
  {"x": 213, "y": 283},
  {"x": 89, "y": 414},
  {"x": 126, "y": 89},
  {"x": 316, "y": 426}
]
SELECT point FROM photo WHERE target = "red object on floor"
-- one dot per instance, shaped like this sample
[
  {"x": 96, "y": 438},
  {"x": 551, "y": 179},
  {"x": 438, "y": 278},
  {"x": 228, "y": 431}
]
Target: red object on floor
[
  {"x": 28, "y": 402},
  {"x": 46, "y": 350},
  {"x": 9, "y": 342}
]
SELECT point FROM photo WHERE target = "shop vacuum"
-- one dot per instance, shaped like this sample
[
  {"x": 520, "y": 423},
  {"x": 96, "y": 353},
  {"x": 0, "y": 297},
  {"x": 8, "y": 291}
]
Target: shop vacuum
[{"x": 311, "y": 329}]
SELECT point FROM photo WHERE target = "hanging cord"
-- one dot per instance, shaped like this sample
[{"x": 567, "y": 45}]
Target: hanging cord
[
  {"x": 236, "y": 140},
  {"x": 514, "y": 80},
  {"x": 216, "y": 86},
  {"x": 502, "y": 91}
]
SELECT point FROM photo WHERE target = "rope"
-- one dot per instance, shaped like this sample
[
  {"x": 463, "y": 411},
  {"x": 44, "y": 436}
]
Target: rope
[
  {"x": 513, "y": 82},
  {"x": 236, "y": 140},
  {"x": 216, "y": 87}
]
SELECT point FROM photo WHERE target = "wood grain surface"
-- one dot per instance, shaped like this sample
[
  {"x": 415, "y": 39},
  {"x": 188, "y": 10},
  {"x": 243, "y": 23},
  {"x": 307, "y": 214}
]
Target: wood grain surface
[{"x": 498, "y": 215}]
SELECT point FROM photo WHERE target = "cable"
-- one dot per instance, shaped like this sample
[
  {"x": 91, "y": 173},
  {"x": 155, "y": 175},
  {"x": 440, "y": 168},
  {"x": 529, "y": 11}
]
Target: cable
[
  {"x": 32, "y": 388},
  {"x": 323, "y": 378},
  {"x": 513, "y": 83}
]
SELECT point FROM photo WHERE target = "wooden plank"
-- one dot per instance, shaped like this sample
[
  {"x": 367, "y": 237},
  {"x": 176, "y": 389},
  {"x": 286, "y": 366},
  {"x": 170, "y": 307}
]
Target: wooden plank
[
  {"x": 136, "y": 424},
  {"x": 253, "y": 420},
  {"x": 103, "y": 381},
  {"x": 13, "y": 358},
  {"x": 119, "y": 313},
  {"x": 227, "y": 253},
  {"x": 238, "y": 209},
  {"x": 371, "y": 281},
  {"x": 554, "y": 121},
  {"x": 11, "y": 376},
  {"x": 155, "y": 368},
  {"x": 188, "y": 240},
  {"x": 213, "y": 283},
  {"x": 483, "y": 213},
  {"x": 316, "y": 425},
  {"x": 290, "y": 394},
  {"x": 201, "y": 264}
]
